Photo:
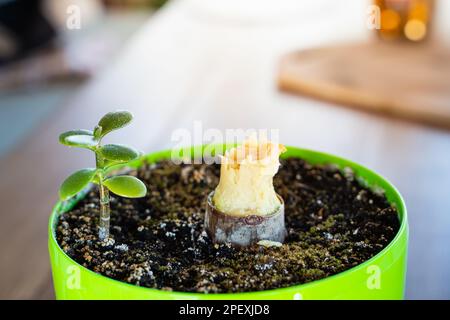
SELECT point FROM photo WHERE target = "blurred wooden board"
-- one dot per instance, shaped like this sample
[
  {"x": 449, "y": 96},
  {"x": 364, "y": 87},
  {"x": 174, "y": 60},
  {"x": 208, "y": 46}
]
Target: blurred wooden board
[{"x": 411, "y": 81}]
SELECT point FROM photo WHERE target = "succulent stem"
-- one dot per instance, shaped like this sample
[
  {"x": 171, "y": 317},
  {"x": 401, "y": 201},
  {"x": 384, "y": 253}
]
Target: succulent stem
[
  {"x": 105, "y": 211},
  {"x": 103, "y": 232}
]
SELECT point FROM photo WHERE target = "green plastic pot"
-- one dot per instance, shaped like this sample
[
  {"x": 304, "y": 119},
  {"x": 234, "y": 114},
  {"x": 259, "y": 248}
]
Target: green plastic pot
[{"x": 381, "y": 277}]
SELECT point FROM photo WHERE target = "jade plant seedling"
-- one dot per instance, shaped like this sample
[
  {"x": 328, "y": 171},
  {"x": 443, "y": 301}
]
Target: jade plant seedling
[{"x": 106, "y": 156}]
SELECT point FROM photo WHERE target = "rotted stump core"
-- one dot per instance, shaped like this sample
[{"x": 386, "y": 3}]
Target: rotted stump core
[{"x": 244, "y": 231}]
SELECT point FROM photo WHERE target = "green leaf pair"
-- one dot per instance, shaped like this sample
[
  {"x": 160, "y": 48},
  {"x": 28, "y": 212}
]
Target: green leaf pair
[
  {"x": 125, "y": 186},
  {"x": 89, "y": 139}
]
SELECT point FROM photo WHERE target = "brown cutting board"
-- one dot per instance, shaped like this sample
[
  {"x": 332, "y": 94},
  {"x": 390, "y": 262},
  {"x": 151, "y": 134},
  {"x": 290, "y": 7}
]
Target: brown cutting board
[{"x": 411, "y": 81}]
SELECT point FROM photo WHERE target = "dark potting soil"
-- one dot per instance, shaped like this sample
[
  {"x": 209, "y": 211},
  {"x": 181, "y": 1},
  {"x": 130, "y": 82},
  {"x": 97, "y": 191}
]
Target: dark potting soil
[{"x": 333, "y": 222}]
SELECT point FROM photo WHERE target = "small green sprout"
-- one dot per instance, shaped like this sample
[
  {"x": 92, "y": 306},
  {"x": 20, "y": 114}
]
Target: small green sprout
[{"x": 106, "y": 156}]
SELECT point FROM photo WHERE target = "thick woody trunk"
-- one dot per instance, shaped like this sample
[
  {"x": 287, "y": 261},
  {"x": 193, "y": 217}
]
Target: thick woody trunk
[{"x": 244, "y": 231}]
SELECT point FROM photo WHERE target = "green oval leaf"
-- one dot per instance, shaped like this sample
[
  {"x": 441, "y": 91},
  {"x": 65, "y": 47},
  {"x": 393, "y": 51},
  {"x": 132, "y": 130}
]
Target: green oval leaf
[
  {"x": 76, "y": 182},
  {"x": 126, "y": 186},
  {"x": 118, "y": 153},
  {"x": 78, "y": 138},
  {"x": 81, "y": 141},
  {"x": 113, "y": 121}
]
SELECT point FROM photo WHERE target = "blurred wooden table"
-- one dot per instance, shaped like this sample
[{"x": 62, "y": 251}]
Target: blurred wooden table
[{"x": 191, "y": 62}]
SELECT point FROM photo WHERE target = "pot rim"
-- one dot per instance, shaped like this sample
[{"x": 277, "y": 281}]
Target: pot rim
[{"x": 62, "y": 207}]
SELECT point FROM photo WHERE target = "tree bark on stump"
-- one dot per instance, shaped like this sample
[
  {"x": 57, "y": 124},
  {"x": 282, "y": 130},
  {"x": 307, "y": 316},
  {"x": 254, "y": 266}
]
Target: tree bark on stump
[{"x": 244, "y": 231}]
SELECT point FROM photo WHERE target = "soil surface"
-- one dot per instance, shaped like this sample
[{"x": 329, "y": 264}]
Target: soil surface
[{"x": 333, "y": 223}]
